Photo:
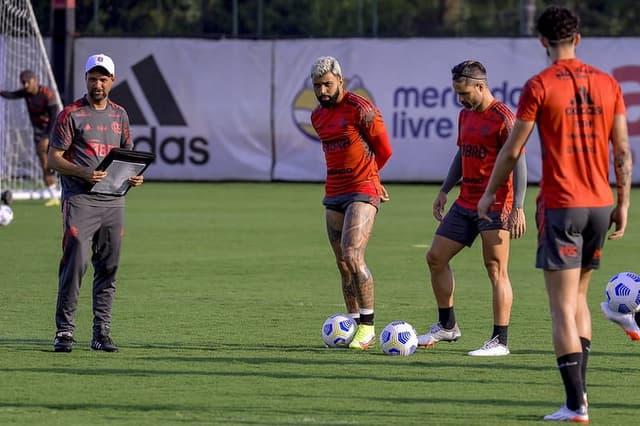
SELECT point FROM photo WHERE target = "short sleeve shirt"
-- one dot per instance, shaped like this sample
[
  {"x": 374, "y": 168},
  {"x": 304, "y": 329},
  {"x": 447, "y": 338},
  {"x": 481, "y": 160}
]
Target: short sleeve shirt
[
  {"x": 351, "y": 133},
  {"x": 481, "y": 134},
  {"x": 87, "y": 135},
  {"x": 574, "y": 105},
  {"x": 38, "y": 106}
]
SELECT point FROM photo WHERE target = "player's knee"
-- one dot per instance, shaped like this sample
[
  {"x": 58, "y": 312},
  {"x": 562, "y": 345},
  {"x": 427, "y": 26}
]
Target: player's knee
[
  {"x": 496, "y": 270},
  {"x": 352, "y": 259},
  {"x": 435, "y": 261}
]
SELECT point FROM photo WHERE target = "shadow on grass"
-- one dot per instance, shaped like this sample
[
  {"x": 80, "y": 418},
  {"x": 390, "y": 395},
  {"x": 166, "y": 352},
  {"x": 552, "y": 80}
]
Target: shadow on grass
[{"x": 223, "y": 413}]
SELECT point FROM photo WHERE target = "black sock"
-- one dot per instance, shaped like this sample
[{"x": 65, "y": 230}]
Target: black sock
[
  {"x": 502, "y": 332},
  {"x": 570, "y": 366},
  {"x": 366, "y": 319},
  {"x": 638, "y": 318},
  {"x": 446, "y": 317},
  {"x": 586, "y": 348}
]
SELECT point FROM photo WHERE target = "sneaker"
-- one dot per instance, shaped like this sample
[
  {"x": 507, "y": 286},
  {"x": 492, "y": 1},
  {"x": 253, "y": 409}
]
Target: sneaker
[
  {"x": 626, "y": 321},
  {"x": 491, "y": 347},
  {"x": 53, "y": 202},
  {"x": 63, "y": 342},
  {"x": 103, "y": 343},
  {"x": 566, "y": 415},
  {"x": 364, "y": 338},
  {"x": 439, "y": 334}
]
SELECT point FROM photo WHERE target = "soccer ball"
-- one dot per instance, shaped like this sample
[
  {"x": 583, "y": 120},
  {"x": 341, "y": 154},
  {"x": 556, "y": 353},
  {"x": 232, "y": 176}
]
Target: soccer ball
[
  {"x": 6, "y": 215},
  {"x": 623, "y": 292},
  {"x": 399, "y": 338},
  {"x": 338, "y": 331}
]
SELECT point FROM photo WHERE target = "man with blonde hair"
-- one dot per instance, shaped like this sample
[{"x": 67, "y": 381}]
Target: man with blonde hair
[{"x": 356, "y": 147}]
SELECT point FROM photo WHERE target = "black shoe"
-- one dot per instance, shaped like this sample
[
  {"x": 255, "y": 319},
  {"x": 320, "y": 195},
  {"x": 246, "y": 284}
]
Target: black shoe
[
  {"x": 103, "y": 343},
  {"x": 6, "y": 197},
  {"x": 63, "y": 341}
]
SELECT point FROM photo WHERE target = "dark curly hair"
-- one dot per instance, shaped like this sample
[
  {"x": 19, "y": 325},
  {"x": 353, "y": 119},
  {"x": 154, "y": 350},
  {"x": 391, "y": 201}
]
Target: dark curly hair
[
  {"x": 558, "y": 24},
  {"x": 469, "y": 69}
]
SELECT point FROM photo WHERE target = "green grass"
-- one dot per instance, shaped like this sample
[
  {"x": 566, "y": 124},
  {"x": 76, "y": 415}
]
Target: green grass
[{"x": 222, "y": 291}]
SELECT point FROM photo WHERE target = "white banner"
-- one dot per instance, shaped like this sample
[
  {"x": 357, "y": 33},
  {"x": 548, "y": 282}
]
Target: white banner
[
  {"x": 203, "y": 107},
  {"x": 239, "y": 110},
  {"x": 410, "y": 81}
]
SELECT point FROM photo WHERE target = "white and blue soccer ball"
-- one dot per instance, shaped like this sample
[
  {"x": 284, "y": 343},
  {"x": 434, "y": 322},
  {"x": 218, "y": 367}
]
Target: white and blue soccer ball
[
  {"x": 623, "y": 292},
  {"x": 338, "y": 331},
  {"x": 6, "y": 215},
  {"x": 399, "y": 338}
]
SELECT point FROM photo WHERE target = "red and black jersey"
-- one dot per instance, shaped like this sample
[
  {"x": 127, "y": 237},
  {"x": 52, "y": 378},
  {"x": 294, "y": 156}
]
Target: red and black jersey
[
  {"x": 481, "y": 134},
  {"x": 40, "y": 106},
  {"x": 87, "y": 135},
  {"x": 355, "y": 144}
]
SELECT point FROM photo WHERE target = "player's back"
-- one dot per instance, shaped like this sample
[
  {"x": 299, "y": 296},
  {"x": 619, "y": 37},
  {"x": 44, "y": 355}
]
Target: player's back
[{"x": 577, "y": 104}]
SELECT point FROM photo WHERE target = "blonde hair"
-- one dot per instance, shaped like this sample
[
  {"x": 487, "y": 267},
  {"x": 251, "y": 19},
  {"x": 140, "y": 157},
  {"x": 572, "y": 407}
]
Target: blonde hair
[{"x": 325, "y": 64}]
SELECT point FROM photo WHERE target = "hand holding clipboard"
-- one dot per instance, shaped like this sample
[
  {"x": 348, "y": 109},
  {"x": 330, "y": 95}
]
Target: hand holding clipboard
[{"x": 121, "y": 164}]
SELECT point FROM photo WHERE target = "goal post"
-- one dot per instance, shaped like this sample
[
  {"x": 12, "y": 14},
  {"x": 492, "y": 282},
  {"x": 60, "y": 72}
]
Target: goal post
[{"x": 21, "y": 48}]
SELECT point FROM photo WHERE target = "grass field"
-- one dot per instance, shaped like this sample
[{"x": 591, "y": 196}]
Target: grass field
[{"x": 223, "y": 288}]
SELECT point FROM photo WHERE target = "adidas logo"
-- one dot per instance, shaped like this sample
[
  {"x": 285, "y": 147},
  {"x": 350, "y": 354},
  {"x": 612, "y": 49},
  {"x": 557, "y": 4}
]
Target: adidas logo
[
  {"x": 171, "y": 149},
  {"x": 582, "y": 104},
  {"x": 156, "y": 91},
  {"x": 582, "y": 97}
]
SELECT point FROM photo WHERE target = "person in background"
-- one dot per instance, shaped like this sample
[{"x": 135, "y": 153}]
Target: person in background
[
  {"x": 43, "y": 109},
  {"x": 580, "y": 112},
  {"x": 84, "y": 133},
  {"x": 483, "y": 127},
  {"x": 6, "y": 197},
  {"x": 356, "y": 147}
]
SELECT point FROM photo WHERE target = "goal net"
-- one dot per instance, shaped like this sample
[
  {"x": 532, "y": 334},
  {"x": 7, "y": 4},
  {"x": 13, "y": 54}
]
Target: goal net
[{"x": 21, "y": 48}]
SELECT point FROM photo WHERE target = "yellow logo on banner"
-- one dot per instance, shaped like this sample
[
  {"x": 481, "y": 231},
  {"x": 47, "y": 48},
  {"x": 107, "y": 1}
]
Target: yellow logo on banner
[{"x": 305, "y": 102}]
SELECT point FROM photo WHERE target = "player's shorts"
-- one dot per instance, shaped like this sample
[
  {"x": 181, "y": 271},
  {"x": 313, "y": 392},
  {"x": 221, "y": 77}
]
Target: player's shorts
[
  {"x": 39, "y": 134},
  {"x": 463, "y": 225},
  {"x": 339, "y": 203},
  {"x": 571, "y": 238}
]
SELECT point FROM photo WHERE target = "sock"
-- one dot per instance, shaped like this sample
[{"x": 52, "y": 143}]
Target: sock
[
  {"x": 586, "y": 348},
  {"x": 502, "y": 332},
  {"x": 638, "y": 318},
  {"x": 366, "y": 316},
  {"x": 355, "y": 316},
  {"x": 52, "y": 190},
  {"x": 446, "y": 317},
  {"x": 570, "y": 366}
]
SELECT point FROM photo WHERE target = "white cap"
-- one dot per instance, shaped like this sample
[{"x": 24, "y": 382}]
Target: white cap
[{"x": 100, "y": 60}]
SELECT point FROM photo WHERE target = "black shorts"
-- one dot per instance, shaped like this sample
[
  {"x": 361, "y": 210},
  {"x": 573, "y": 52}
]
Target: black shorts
[
  {"x": 463, "y": 225},
  {"x": 571, "y": 238},
  {"x": 39, "y": 134},
  {"x": 339, "y": 203}
]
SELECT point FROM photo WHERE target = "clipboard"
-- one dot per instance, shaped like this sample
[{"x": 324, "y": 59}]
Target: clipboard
[{"x": 121, "y": 164}]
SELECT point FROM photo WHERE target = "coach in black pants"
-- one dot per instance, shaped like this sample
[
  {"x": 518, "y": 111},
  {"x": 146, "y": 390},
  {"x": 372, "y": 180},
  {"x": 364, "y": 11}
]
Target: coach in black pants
[{"x": 83, "y": 135}]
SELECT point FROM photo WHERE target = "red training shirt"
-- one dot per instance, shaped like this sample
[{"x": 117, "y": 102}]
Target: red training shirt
[
  {"x": 574, "y": 105},
  {"x": 355, "y": 144},
  {"x": 481, "y": 134}
]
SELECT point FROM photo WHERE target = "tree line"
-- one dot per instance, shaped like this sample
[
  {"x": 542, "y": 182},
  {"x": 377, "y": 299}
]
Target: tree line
[{"x": 277, "y": 19}]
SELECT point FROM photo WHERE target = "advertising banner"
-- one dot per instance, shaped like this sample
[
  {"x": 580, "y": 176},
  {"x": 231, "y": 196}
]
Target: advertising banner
[
  {"x": 240, "y": 109},
  {"x": 203, "y": 107},
  {"x": 410, "y": 82}
]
